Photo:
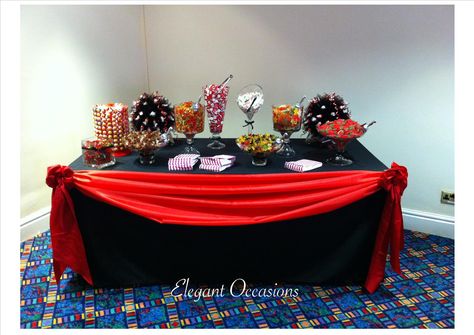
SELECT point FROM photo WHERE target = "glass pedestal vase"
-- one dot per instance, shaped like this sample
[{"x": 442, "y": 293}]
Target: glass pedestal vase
[
  {"x": 287, "y": 120},
  {"x": 216, "y": 143},
  {"x": 286, "y": 150},
  {"x": 250, "y": 99},
  {"x": 189, "y": 120},
  {"x": 190, "y": 148},
  {"x": 215, "y": 97},
  {"x": 146, "y": 157},
  {"x": 338, "y": 159},
  {"x": 342, "y": 132},
  {"x": 259, "y": 159}
]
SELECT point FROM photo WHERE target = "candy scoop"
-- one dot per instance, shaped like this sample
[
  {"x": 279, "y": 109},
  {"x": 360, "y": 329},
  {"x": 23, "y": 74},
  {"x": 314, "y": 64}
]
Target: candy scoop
[
  {"x": 253, "y": 101},
  {"x": 226, "y": 81},
  {"x": 298, "y": 105},
  {"x": 366, "y": 126},
  {"x": 196, "y": 104}
]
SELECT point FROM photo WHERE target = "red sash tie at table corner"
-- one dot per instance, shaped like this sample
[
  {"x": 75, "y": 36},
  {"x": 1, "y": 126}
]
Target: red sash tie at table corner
[
  {"x": 390, "y": 231},
  {"x": 69, "y": 250},
  {"x": 66, "y": 239}
]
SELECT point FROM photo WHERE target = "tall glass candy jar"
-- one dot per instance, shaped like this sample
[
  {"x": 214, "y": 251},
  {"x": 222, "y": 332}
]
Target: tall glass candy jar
[
  {"x": 111, "y": 125},
  {"x": 215, "y": 97},
  {"x": 189, "y": 120}
]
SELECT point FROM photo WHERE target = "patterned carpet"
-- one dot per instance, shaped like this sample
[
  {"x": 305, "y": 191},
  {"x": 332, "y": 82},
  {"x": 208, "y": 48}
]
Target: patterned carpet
[{"x": 423, "y": 297}]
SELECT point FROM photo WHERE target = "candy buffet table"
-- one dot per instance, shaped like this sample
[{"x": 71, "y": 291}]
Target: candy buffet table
[{"x": 111, "y": 245}]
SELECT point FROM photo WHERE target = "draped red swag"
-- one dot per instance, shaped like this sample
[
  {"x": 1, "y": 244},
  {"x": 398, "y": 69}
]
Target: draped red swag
[{"x": 224, "y": 200}]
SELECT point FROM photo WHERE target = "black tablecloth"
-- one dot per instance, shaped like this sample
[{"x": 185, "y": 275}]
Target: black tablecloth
[
  {"x": 363, "y": 159},
  {"x": 124, "y": 249}
]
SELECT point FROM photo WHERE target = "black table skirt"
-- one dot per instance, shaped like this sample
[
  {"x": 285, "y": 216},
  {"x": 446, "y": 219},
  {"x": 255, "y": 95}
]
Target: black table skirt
[{"x": 335, "y": 248}]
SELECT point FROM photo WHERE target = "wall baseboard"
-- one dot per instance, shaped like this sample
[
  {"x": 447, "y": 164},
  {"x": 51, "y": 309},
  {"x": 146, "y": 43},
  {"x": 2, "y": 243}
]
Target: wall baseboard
[
  {"x": 35, "y": 223},
  {"x": 429, "y": 223},
  {"x": 425, "y": 222}
]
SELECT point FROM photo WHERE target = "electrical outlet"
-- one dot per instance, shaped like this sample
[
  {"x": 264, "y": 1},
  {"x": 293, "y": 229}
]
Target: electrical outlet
[{"x": 447, "y": 197}]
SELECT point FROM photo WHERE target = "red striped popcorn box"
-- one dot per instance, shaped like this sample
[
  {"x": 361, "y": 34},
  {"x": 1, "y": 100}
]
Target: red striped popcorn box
[
  {"x": 186, "y": 158},
  {"x": 219, "y": 160},
  {"x": 303, "y": 165},
  {"x": 179, "y": 167},
  {"x": 182, "y": 162},
  {"x": 214, "y": 168}
]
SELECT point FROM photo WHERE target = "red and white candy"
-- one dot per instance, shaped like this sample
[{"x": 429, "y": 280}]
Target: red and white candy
[{"x": 215, "y": 97}]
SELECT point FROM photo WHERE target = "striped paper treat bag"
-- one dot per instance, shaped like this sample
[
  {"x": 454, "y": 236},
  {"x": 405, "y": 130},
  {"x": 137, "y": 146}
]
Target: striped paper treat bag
[
  {"x": 303, "y": 165},
  {"x": 216, "y": 163},
  {"x": 183, "y": 162}
]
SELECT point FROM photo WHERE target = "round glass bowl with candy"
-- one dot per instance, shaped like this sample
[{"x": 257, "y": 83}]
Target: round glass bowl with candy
[
  {"x": 97, "y": 153},
  {"x": 250, "y": 99},
  {"x": 215, "y": 97},
  {"x": 341, "y": 132},
  {"x": 260, "y": 146},
  {"x": 189, "y": 120},
  {"x": 146, "y": 142},
  {"x": 287, "y": 120}
]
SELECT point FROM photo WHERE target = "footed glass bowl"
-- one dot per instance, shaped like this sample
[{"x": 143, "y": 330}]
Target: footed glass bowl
[
  {"x": 287, "y": 120},
  {"x": 250, "y": 99},
  {"x": 342, "y": 132},
  {"x": 189, "y": 120},
  {"x": 146, "y": 143},
  {"x": 260, "y": 158},
  {"x": 260, "y": 146},
  {"x": 146, "y": 156},
  {"x": 215, "y": 97}
]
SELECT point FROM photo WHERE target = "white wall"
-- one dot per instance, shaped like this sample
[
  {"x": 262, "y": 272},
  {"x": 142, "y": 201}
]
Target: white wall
[
  {"x": 393, "y": 64},
  {"x": 72, "y": 57}
]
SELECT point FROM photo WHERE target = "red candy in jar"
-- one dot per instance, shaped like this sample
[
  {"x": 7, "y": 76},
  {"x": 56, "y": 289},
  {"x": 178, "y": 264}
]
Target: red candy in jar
[
  {"x": 341, "y": 131},
  {"x": 97, "y": 153}
]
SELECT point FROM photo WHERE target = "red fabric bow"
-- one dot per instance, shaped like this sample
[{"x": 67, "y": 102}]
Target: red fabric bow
[
  {"x": 66, "y": 239},
  {"x": 218, "y": 200},
  {"x": 395, "y": 177},
  {"x": 59, "y": 174},
  {"x": 390, "y": 230}
]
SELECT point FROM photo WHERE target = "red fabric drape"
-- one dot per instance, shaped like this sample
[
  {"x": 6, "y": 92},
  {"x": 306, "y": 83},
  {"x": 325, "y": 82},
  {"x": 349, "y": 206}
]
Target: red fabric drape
[
  {"x": 219, "y": 200},
  {"x": 66, "y": 239}
]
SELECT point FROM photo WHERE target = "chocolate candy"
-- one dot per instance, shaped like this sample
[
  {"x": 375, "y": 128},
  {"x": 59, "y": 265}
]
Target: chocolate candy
[{"x": 152, "y": 112}]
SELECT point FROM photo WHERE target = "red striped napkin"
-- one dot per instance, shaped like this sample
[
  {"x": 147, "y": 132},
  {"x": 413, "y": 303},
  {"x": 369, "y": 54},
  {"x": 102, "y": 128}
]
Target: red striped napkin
[{"x": 303, "y": 165}]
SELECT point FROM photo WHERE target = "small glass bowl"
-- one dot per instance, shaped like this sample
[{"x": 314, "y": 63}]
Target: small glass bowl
[{"x": 97, "y": 153}]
